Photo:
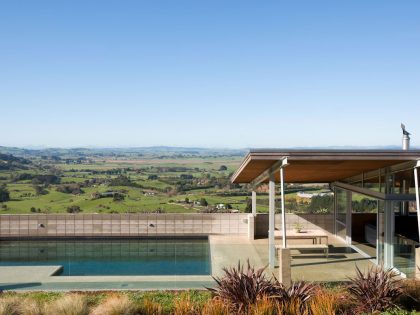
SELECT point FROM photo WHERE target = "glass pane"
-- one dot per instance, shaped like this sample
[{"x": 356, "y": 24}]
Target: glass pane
[
  {"x": 364, "y": 223},
  {"x": 405, "y": 240},
  {"x": 341, "y": 205},
  {"x": 363, "y": 204},
  {"x": 372, "y": 181},
  {"x": 341, "y": 230},
  {"x": 403, "y": 182}
]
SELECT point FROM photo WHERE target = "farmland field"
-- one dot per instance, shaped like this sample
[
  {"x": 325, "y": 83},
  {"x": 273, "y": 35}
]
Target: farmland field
[{"x": 94, "y": 181}]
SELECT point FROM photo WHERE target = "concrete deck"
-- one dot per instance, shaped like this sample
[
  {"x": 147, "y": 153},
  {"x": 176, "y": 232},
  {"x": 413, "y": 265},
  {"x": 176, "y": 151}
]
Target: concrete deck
[
  {"x": 225, "y": 251},
  {"x": 314, "y": 266}
]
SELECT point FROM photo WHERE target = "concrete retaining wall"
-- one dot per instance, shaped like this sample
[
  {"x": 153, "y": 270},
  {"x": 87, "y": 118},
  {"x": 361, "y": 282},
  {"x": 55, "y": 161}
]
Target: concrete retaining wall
[{"x": 124, "y": 225}]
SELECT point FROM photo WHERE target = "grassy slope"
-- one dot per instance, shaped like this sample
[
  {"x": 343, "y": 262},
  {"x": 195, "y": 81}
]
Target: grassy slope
[{"x": 135, "y": 200}]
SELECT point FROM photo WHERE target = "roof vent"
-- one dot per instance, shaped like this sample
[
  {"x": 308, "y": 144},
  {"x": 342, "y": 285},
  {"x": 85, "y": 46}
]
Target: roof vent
[{"x": 405, "y": 138}]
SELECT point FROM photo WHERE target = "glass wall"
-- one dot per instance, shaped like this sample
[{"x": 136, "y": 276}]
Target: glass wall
[
  {"x": 364, "y": 223},
  {"x": 387, "y": 230},
  {"x": 399, "y": 181}
]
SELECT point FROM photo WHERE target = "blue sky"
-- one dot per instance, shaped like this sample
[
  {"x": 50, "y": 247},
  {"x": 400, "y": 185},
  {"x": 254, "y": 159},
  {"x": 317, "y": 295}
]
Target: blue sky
[{"x": 209, "y": 73}]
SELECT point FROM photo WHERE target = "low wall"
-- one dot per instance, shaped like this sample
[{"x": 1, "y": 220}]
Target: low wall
[
  {"x": 123, "y": 225},
  {"x": 307, "y": 221}
]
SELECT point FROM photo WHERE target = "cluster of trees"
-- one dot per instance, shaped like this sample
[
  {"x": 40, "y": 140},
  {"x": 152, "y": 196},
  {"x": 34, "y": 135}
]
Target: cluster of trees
[
  {"x": 186, "y": 176},
  {"x": 37, "y": 179},
  {"x": 21, "y": 176},
  {"x": 4, "y": 193},
  {"x": 94, "y": 182},
  {"x": 173, "y": 169},
  {"x": 123, "y": 180},
  {"x": 116, "y": 195},
  {"x": 40, "y": 190},
  {"x": 45, "y": 179},
  {"x": 317, "y": 205},
  {"x": 322, "y": 204},
  {"x": 74, "y": 209},
  {"x": 11, "y": 162},
  {"x": 248, "y": 207},
  {"x": 76, "y": 160},
  {"x": 114, "y": 171},
  {"x": 74, "y": 189},
  {"x": 364, "y": 205},
  {"x": 203, "y": 202}
]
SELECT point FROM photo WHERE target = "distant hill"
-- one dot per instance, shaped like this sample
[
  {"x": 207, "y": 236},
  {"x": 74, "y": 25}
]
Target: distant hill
[
  {"x": 134, "y": 151},
  {"x": 10, "y": 162},
  {"x": 154, "y": 151}
]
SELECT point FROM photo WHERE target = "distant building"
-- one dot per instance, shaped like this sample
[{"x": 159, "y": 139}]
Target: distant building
[{"x": 302, "y": 194}]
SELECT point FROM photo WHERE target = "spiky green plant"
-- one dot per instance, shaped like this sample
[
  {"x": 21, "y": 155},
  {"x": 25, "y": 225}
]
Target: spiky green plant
[
  {"x": 298, "y": 294},
  {"x": 375, "y": 291},
  {"x": 241, "y": 287}
]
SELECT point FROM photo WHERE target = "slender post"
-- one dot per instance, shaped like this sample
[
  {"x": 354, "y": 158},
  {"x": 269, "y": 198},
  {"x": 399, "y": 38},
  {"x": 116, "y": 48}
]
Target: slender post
[
  {"x": 349, "y": 211},
  {"x": 389, "y": 224},
  {"x": 389, "y": 235},
  {"x": 283, "y": 213},
  {"x": 271, "y": 211},
  {"x": 416, "y": 185},
  {"x": 254, "y": 203}
]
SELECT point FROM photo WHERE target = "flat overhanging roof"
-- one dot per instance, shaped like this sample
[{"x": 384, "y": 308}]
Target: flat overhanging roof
[{"x": 318, "y": 166}]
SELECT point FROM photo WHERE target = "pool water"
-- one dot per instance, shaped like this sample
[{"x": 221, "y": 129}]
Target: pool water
[{"x": 112, "y": 257}]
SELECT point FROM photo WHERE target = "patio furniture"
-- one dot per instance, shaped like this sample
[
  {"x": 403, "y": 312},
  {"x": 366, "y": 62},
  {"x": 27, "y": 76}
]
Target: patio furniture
[{"x": 315, "y": 235}]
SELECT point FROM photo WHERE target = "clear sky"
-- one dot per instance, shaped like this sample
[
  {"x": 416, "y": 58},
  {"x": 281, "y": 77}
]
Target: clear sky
[{"x": 209, "y": 73}]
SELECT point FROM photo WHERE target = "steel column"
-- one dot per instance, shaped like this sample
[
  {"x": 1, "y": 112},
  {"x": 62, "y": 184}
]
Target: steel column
[
  {"x": 416, "y": 184},
  {"x": 271, "y": 218},
  {"x": 283, "y": 212},
  {"x": 254, "y": 203},
  {"x": 349, "y": 211},
  {"x": 389, "y": 235}
]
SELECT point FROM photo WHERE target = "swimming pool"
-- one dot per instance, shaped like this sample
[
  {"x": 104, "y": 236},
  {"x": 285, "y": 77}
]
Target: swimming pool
[{"x": 108, "y": 257}]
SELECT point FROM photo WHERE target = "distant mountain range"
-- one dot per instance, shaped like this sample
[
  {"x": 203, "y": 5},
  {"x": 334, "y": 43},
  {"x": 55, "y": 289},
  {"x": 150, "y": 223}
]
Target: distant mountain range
[
  {"x": 156, "y": 150},
  {"x": 159, "y": 150}
]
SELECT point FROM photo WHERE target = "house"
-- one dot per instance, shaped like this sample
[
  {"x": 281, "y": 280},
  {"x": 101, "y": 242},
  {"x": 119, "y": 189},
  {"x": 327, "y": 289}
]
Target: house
[{"x": 376, "y": 199}]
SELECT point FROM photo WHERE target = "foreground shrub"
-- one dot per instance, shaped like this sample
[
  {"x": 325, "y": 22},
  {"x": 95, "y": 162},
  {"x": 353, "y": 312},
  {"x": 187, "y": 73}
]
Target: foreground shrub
[
  {"x": 265, "y": 306},
  {"x": 324, "y": 303},
  {"x": 376, "y": 291},
  {"x": 410, "y": 298},
  {"x": 240, "y": 288},
  {"x": 148, "y": 307},
  {"x": 185, "y": 306},
  {"x": 30, "y": 307},
  {"x": 293, "y": 307},
  {"x": 399, "y": 312},
  {"x": 115, "y": 305},
  {"x": 296, "y": 296},
  {"x": 9, "y": 306},
  {"x": 70, "y": 304},
  {"x": 300, "y": 291},
  {"x": 215, "y": 306}
]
